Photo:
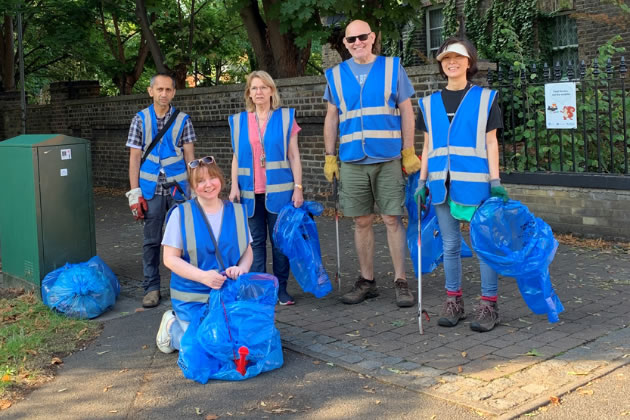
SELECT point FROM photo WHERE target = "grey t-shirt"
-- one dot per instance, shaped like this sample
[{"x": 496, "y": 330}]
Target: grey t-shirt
[{"x": 361, "y": 71}]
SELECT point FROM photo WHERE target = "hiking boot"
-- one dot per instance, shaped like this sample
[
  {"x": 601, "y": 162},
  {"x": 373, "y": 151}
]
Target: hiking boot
[
  {"x": 285, "y": 298},
  {"x": 163, "y": 338},
  {"x": 151, "y": 299},
  {"x": 404, "y": 298},
  {"x": 486, "y": 316},
  {"x": 361, "y": 290},
  {"x": 452, "y": 311}
]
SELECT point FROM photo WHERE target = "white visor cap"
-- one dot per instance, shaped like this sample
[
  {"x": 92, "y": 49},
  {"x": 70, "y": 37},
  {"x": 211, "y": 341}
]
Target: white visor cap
[{"x": 457, "y": 48}]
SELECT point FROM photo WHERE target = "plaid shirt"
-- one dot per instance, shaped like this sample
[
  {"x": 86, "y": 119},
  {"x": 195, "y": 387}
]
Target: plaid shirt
[{"x": 134, "y": 140}]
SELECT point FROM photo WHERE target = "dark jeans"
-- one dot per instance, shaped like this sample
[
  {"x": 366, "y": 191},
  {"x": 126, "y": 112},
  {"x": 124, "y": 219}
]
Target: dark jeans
[
  {"x": 261, "y": 223},
  {"x": 153, "y": 224}
]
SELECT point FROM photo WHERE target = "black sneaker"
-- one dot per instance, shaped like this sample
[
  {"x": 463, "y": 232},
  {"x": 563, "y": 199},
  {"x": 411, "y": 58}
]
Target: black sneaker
[
  {"x": 486, "y": 316},
  {"x": 452, "y": 311},
  {"x": 404, "y": 298},
  {"x": 361, "y": 290},
  {"x": 285, "y": 298}
]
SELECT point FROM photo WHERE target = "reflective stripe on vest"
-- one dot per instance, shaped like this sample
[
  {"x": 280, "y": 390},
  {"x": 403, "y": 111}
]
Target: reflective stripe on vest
[
  {"x": 234, "y": 218},
  {"x": 279, "y": 178},
  {"x": 467, "y": 166},
  {"x": 380, "y": 135},
  {"x": 169, "y": 158}
]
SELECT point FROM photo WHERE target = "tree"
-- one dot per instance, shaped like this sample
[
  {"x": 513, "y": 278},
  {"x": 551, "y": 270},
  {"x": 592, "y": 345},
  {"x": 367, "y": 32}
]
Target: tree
[
  {"x": 120, "y": 34},
  {"x": 283, "y": 32}
]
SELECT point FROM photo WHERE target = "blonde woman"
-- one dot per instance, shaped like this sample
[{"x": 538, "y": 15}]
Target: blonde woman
[{"x": 266, "y": 169}]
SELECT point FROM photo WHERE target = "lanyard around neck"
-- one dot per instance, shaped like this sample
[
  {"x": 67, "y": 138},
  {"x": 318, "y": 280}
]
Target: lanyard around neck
[{"x": 260, "y": 136}]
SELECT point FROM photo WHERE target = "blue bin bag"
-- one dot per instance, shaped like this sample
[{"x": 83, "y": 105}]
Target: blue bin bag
[
  {"x": 515, "y": 243},
  {"x": 295, "y": 233},
  {"x": 432, "y": 247},
  {"x": 84, "y": 290},
  {"x": 241, "y": 313}
]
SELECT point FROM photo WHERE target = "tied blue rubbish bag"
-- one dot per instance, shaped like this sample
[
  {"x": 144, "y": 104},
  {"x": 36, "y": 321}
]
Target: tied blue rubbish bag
[
  {"x": 295, "y": 233},
  {"x": 83, "y": 290},
  {"x": 241, "y": 313},
  {"x": 432, "y": 247},
  {"x": 515, "y": 243}
]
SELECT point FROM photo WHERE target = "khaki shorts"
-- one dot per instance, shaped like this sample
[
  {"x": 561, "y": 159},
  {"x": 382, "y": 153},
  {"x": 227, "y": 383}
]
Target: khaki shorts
[{"x": 362, "y": 186}]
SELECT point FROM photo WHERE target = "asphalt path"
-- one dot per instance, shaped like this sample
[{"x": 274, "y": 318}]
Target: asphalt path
[{"x": 123, "y": 375}]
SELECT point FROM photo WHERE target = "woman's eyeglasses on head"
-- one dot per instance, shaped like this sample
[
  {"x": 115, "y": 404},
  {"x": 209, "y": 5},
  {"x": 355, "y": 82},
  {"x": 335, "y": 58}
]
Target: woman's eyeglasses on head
[{"x": 206, "y": 159}]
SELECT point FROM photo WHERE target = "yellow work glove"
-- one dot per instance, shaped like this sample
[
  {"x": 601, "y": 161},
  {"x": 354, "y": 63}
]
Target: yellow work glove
[
  {"x": 331, "y": 168},
  {"x": 410, "y": 161}
]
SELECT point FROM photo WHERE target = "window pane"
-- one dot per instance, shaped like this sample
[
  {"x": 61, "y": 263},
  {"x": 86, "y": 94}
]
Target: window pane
[{"x": 436, "y": 19}]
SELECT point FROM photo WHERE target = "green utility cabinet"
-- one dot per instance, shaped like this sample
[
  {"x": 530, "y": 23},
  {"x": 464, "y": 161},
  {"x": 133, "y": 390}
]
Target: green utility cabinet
[{"x": 46, "y": 206}]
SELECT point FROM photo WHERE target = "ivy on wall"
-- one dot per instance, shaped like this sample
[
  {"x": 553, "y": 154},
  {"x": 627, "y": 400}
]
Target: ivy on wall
[
  {"x": 451, "y": 24},
  {"x": 505, "y": 31}
]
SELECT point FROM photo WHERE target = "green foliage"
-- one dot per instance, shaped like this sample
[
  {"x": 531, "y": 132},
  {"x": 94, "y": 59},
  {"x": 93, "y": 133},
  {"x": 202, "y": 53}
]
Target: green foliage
[
  {"x": 303, "y": 17},
  {"x": 506, "y": 31},
  {"x": 600, "y": 123},
  {"x": 451, "y": 24}
]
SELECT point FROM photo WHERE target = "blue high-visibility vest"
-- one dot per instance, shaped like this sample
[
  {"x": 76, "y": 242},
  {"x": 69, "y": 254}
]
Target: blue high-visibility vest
[
  {"x": 167, "y": 155},
  {"x": 458, "y": 148},
  {"x": 279, "y": 178},
  {"x": 369, "y": 119},
  {"x": 188, "y": 296}
]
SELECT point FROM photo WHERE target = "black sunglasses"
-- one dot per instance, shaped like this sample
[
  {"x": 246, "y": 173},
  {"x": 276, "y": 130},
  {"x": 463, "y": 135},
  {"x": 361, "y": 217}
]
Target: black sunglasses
[
  {"x": 362, "y": 37},
  {"x": 206, "y": 159}
]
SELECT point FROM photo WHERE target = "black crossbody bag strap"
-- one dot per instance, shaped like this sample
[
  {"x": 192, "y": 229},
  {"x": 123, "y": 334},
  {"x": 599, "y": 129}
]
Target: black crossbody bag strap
[
  {"x": 159, "y": 135},
  {"x": 214, "y": 240}
]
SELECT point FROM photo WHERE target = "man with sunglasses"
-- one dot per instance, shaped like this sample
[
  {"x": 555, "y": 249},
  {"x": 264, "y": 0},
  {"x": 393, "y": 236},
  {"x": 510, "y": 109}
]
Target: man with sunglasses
[
  {"x": 369, "y": 108},
  {"x": 153, "y": 163}
]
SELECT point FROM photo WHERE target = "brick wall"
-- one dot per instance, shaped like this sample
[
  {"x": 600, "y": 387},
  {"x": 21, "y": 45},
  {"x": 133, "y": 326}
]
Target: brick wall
[
  {"x": 105, "y": 122},
  {"x": 597, "y": 22},
  {"x": 592, "y": 213}
]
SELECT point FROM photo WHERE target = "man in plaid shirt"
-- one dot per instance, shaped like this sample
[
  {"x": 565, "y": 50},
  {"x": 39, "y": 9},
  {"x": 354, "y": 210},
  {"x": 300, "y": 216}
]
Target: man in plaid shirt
[{"x": 167, "y": 162}]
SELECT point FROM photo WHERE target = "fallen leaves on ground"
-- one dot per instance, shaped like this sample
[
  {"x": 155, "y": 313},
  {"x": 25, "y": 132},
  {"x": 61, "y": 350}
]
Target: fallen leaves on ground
[
  {"x": 534, "y": 353},
  {"x": 56, "y": 361},
  {"x": 212, "y": 416},
  {"x": 4, "y": 404},
  {"x": 599, "y": 244},
  {"x": 554, "y": 400}
]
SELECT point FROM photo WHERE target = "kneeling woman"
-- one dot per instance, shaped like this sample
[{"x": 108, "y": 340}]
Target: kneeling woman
[{"x": 206, "y": 241}]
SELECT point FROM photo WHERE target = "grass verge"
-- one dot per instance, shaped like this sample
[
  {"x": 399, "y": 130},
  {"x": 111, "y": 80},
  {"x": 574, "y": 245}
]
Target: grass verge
[{"x": 33, "y": 341}]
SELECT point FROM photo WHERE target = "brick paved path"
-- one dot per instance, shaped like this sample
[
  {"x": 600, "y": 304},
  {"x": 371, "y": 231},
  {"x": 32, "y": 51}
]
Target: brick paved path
[{"x": 515, "y": 367}]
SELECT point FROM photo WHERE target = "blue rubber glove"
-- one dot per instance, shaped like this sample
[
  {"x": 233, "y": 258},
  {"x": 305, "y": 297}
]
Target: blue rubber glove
[
  {"x": 497, "y": 190},
  {"x": 422, "y": 191}
]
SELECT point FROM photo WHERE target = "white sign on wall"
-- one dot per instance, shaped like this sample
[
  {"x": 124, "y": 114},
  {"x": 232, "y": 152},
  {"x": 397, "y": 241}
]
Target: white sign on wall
[{"x": 560, "y": 107}]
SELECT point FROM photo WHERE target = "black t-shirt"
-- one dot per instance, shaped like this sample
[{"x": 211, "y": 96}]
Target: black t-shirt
[{"x": 452, "y": 99}]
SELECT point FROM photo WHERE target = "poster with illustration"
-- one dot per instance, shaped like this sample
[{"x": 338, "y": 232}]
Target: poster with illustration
[{"x": 560, "y": 108}]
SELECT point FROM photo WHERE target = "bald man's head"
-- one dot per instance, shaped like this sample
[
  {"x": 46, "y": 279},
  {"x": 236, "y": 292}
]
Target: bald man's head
[{"x": 359, "y": 40}]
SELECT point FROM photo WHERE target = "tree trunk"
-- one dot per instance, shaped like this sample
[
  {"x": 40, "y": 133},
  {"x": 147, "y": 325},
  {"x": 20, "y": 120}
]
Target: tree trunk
[
  {"x": 275, "y": 52},
  {"x": 257, "y": 34},
  {"x": 154, "y": 47},
  {"x": 7, "y": 51},
  {"x": 289, "y": 60}
]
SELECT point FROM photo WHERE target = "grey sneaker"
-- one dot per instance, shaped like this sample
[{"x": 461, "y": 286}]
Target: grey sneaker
[
  {"x": 404, "y": 298},
  {"x": 452, "y": 311},
  {"x": 361, "y": 290},
  {"x": 486, "y": 316},
  {"x": 163, "y": 338}
]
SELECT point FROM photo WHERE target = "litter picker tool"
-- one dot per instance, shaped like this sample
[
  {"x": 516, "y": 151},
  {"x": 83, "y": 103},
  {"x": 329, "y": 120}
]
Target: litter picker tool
[{"x": 336, "y": 194}]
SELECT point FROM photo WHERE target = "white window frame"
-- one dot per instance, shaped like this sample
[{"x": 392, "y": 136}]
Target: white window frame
[{"x": 428, "y": 28}]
